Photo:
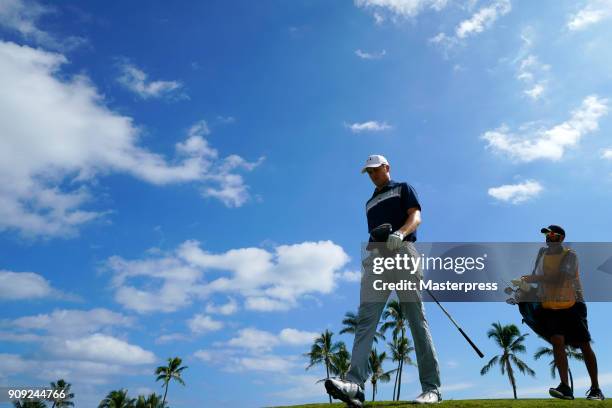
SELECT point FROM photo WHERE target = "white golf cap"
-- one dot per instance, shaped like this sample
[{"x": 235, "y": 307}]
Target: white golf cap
[{"x": 375, "y": 160}]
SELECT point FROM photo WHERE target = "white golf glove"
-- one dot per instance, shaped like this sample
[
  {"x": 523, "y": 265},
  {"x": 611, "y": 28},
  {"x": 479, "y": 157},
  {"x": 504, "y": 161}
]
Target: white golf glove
[
  {"x": 521, "y": 284},
  {"x": 395, "y": 240}
]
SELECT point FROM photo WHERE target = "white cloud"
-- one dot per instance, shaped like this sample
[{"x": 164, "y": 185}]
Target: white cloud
[
  {"x": 268, "y": 280},
  {"x": 75, "y": 344},
  {"x": 135, "y": 80},
  {"x": 254, "y": 339},
  {"x": 549, "y": 143},
  {"x": 204, "y": 355},
  {"x": 250, "y": 350},
  {"x": 366, "y": 55},
  {"x": 101, "y": 348},
  {"x": 14, "y": 364},
  {"x": 516, "y": 193},
  {"x": 297, "y": 337},
  {"x": 199, "y": 129},
  {"x": 535, "y": 92},
  {"x": 259, "y": 340},
  {"x": 232, "y": 191},
  {"x": 217, "y": 356},
  {"x": 202, "y": 324},
  {"x": 532, "y": 72},
  {"x": 350, "y": 276},
  {"x": 47, "y": 165},
  {"x": 21, "y": 16},
  {"x": 175, "y": 291},
  {"x": 24, "y": 285},
  {"x": 169, "y": 338},
  {"x": 266, "y": 304},
  {"x": 400, "y": 8},
  {"x": 593, "y": 12},
  {"x": 273, "y": 364},
  {"x": 226, "y": 119},
  {"x": 606, "y": 154},
  {"x": 81, "y": 372},
  {"x": 481, "y": 20},
  {"x": 226, "y": 309},
  {"x": 21, "y": 337},
  {"x": 69, "y": 322},
  {"x": 231, "y": 362},
  {"x": 370, "y": 126},
  {"x": 282, "y": 276}
]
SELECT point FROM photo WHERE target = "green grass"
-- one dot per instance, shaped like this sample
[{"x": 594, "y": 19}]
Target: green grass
[{"x": 484, "y": 403}]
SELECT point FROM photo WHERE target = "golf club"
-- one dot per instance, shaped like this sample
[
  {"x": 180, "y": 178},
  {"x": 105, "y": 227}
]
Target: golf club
[{"x": 380, "y": 234}]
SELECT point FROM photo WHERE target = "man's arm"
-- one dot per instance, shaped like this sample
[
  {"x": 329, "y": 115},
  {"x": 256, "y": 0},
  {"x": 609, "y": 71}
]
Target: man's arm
[
  {"x": 412, "y": 222},
  {"x": 567, "y": 271}
]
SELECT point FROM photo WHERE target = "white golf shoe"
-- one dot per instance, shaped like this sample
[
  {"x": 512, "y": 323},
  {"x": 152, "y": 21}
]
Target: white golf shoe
[
  {"x": 429, "y": 397},
  {"x": 347, "y": 391}
]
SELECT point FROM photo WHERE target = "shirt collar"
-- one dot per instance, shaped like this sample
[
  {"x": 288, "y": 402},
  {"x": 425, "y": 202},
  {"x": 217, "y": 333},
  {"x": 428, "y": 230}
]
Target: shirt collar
[{"x": 387, "y": 186}]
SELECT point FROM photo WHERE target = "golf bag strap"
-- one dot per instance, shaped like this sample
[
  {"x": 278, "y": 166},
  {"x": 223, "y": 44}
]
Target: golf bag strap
[{"x": 540, "y": 253}]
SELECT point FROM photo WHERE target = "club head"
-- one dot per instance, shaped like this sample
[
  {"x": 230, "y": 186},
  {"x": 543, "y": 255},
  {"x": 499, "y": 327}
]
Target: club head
[{"x": 511, "y": 301}]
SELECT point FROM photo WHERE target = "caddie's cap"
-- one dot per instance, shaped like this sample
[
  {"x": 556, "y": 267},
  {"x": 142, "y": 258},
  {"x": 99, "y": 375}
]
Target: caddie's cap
[
  {"x": 375, "y": 160},
  {"x": 553, "y": 228}
]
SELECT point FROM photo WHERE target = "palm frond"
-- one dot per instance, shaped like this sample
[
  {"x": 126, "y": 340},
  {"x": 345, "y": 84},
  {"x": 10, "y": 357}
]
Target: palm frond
[{"x": 489, "y": 365}]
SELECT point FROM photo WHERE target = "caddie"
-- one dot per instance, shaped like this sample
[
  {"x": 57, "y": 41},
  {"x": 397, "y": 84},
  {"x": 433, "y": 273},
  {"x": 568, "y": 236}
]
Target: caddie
[
  {"x": 563, "y": 313},
  {"x": 397, "y": 204}
]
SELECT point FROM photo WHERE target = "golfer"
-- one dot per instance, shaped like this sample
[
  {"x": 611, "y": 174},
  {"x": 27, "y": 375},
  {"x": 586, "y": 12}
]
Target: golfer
[
  {"x": 563, "y": 313},
  {"x": 397, "y": 204}
]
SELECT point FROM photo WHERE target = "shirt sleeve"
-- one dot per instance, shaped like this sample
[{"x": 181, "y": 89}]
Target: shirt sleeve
[{"x": 409, "y": 197}]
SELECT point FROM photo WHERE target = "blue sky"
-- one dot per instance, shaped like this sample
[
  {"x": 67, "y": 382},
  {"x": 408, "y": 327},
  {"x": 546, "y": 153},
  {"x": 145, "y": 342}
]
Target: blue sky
[{"x": 184, "y": 180}]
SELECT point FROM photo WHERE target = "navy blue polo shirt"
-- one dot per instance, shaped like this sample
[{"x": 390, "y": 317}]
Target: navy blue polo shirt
[{"x": 390, "y": 205}]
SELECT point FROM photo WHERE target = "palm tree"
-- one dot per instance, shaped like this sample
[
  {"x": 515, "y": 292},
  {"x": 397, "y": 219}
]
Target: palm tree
[
  {"x": 141, "y": 402},
  {"x": 340, "y": 361},
  {"x": 152, "y": 401},
  {"x": 397, "y": 320},
  {"x": 29, "y": 404},
  {"x": 117, "y": 399},
  {"x": 393, "y": 318},
  {"x": 510, "y": 340},
  {"x": 61, "y": 402},
  {"x": 350, "y": 322},
  {"x": 170, "y": 372},
  {"x": 375, "y": 365},
  {"x": 400, "y": 352},
  {"x": 322, "y": 351},
  {"x": 571, "y": 352}
]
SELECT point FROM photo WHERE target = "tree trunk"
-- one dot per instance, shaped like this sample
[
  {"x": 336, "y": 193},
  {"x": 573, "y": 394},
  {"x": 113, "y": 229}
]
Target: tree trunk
[
  {"x": 395, "y": 383},
  {"x": 511, "y": 377},
  {"x": 373, "y": 391},
  {"x": 399, "y": 382},
  {"x": 327, "y": 369},
  {"x": 165, "y": 393},
  {"x": 571, "y": 378}
]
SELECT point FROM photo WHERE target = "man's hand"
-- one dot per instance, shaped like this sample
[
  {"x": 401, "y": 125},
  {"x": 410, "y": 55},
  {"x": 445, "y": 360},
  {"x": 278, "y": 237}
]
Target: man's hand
[
  {"x": 521, "y": 283},
  {"x": 394, "y": 242}
]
